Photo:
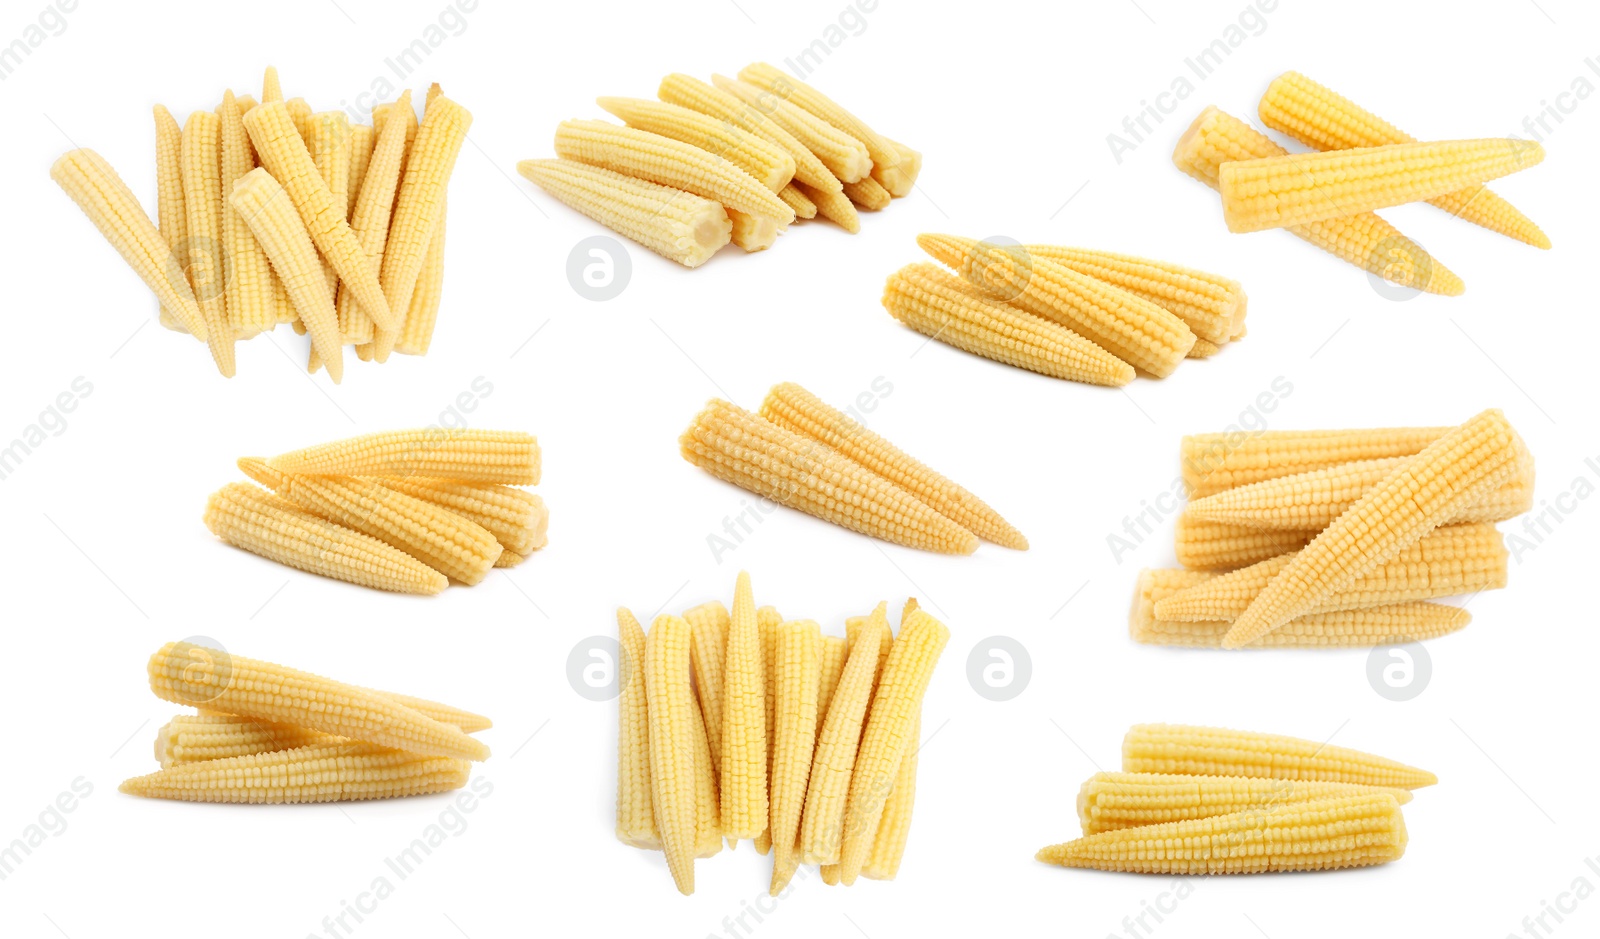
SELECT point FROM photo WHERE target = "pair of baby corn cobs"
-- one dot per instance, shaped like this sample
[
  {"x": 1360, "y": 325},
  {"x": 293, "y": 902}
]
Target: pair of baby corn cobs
[
  {"x": 801, "y": 453},
  {"x": 1202, "y": 800},
  {"x": 747, "y": 725},
  {"x": 1335, "y": 538},
  {"x": 407, "y": 511},
  {"x": 1364, "y": 163},
  {"x": 270, "y": 214},
  {"x": 267, "y": 734},
  {"x": 736, "y": 160},
  {"x": 1073, "y": 313}
]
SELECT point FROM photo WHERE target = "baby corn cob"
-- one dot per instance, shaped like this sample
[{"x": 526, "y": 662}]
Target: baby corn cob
[
  {"x": 416, "y": 334},
  {"x": 247, "y": 269},
  {"x": 797, "y": 200},
  {"x": 1202, "y": 349},
  {"x": 767, "y": 622},
  {"x": 742, "y": 768},
  {"x": 889, "y": 844},
  {"x": 276, "y": 529},
  {"x": 1129, "y": 327},
  {"x": 709, "y": 624},
  {"x": 1300, "y": 188},
  {"x": 170, "y": 220},
  {"x": 1207, "y": 303},
  {"x": 1114, "y": 801},
  {"x": 940, "y": 305},
  {"x": 749, "y": 451},
  {"x": 1212, "y": 751},
  {"x": 828, "y": 789},
  {"x": 443, "y": 713},
  {"x": 868, "y": 193},
  {"x": 483, "y": 456},
  {"x": 886, "y": 161},
  {"x": 369, "y": 218},
  {"x": 1364, "y": 240},
  {"x": 1321, "y": 118},
  {"x": 834, "y": 656},
  {"x": 195, "y": 738},
  {"x": 300, "y": 115},
  {"x": 517, "y": 519},
  {"x": 331, "y": 147},
  {"x": 798, "y": 675},
  {"x": 707, "y": 808},
  {"x": 1219, "y": 546},
  {"x": 844, "y": 156},
  {"x": 672, "y": 714},
  {"x": 792, "y": 407},
  {"x": 326, "y": 773},
  {"x": 363, "y": 137},
  {"x": 271, "y": 89},
  {"x": 1458, "y": 469},
  {"x": 675, "y": 224},
  {"x": 188, "y": 674},
  {"x": 1214, "y": 462},
  {"x": 836, "y": 207},
  {"x": 694, "y": 94},
  {"x": 635, "y": 822},
  {"x": 200, "y": 167},
  {"x": 1326, "y": 834},
  {"x": 768, "y": 163},
  {"x": 110, "y": 205},
  {"x": 753, "y": 232}
]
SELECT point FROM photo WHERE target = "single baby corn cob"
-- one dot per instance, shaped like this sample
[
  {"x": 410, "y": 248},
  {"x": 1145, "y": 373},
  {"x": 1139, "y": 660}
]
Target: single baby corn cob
[
  {"x": 276, "y": 529},
  {"x": 675, "y": 224},
  {"x": 416, "y": 334},
  {"x": 1219, "y": 546},
  {"x": 1129, "y": 327},
  {"x": 888, "y": 737},
  {"x": 672, "y": 714},
  {"x": 195, "y": 738},
  {"x": 443, "y": 713},
  {"x": 188, "y": 674},
  {"x": 271, "y": 89},
  {"x": 110, "y": 205},
  {"x": 170, "y": 220},
  {"x": 517, "y": 519},
  {"x": 742, "y": 768},
  {"x": 790, "y": 406},
  {"x": 635, "y": 821},
  {"x": 268, "y": 211},
  {"x": 1300, "y": 188},
  {"x": 868, "y": 193},
  {"x": 797, "y": 200},
  {"x": 694, "y": 94},
  {"x": 834, "y": 656},
  {"x": 1321, "y": 118},
  {"x": 369, "y": 219},
  {"x": 751, "y": 452},
  {"x": 772, "y": 166},
  {"x": 1114, "y": 801},
  {"x": 889, "y": 844},
  {"x": 450, "y": 544},
  {"x": 909, "y": 168},
  {"x": 1214, "y": 462},
  {"x": 509, "y": 559},
  {"x": 753, "y": 232},
  {"x": 707, "y": 810},
  {"x": 363, "y": 137},
  {"x": 1364, "y": 240},
  {"x": 1207, "y": 303},
  {"x": 940, "y": 305},
  {"x": 844, "y": 156},
  {"x": 1348, "y": 831},
  {"x": 504, "y": 457},
  {"x": 300, "y": 115},
  {"x": 200, "y": 167},
  {"x": 328, "y": 141},
  {"x": 836, "y": 207},
  {"x": 1202, "y": 349},
  {"x": 327, "y": 773},
  {"x": 1458, "y": 469},
  {"x": 828, "y": 789},
  {"x": 895, "y": 175},
  {"x": 767, "y": 622},
  {"x": 709, "y": 624},
  {"x": 248, "y": 271},
  {"x": 1212, "y": 751},
  {"x": 798, "y": 674}
]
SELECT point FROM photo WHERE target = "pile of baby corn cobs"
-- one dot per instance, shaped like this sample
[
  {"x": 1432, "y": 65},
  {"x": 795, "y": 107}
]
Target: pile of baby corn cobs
[
  {"x": 407, "y": 511},
  {"x": 269, "y": 213},
  {"x": 802, "y": 453},
  {"x": 1335, "y": 537},
  {"x": 747, "y": 725},
  {"x": 1073, "y": 313},
  {"x": 736, "y": 160},
  {"x": 267, "y": 734},
  {"x": 1364, "y": 163},
  {"x": 1202, "y": 800}
]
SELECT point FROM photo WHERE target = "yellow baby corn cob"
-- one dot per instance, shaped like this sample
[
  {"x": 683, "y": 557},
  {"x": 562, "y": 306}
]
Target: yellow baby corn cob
[
  {"x": 170, "y": 219},
  {"x": 505, "y": 457},
  {"x": 1212, "y": 751},
  {"x": 195, "y": 738},
  {"x": 742, "y": 766},
  {"x": 1219, "y": 546},
  {"x": 328, "y": 142},
  {"x": 1300, "y": 188},
  {"x": 889, "y": 844},
  {"x": 798, "y": 675},
  {"x": 828, "y": 789},
  {"x": 285, "y": 156},
  {"x": 797, "y": 200},
  {"x": 417, "y": 332},
  {"x": 940, "y": 305},
  {"x": 834, "y": 656},
  {"x": 200, "y": 167},
  {"x": 884, "y": 155},
  {"x": 450, "y": 544},
  {"x": 694, "y": 94},
  {"x": 904, "y": 177},
  {"x": 1214, "y": 462},
  {"x": 517, "y": 519},
  {"x": 709, "y": 624},
  {"x": 443, "y": 713},
  {"x": 753, "y": 232},
  {"x": 1207, "y": 303},
  {"x": 707, "y": 811},
  {"x": 1458, "y": 469},
  {"x": 675, "y": 224},
  {"x": 844, "y": 156},
  {"x": 888, "y": 737},
  {"x": 836, "y": 207},
  {"x": 767, "y": 622},
  {"x": 672, "y": 714},
  {"x": 276, "y": 529},
  {"x": 1114, "y": 801},
  {"x": 188, "y": 674},
  {"x": 768, "y": 163},
  {"x": 369, "y": 219},
  {"x": 751, "y": 452},
  {"x": 1347, "y": 831},
  {"x": 271, "y": 90},
  {"x": 327, "y": 773},
  {"x": 1321, "y": 118},
  {"x": 509, "y": 559},
  {"x": 268, "y": 211},
  {"x": 300, "y": 115},
  {"x": 1129, "y": 327},
  {"x": 1364, "y": 240},
  {"x": 868, "y": 193},
  {"x": 110, "y": 205},
  {"x": 635, "y": 822},
  {"x": 363, "y": 137},
  {"x": 792, "y": 407},
  {"x": 248, "y": 271},
  {"x": 1203, "y": 349}
]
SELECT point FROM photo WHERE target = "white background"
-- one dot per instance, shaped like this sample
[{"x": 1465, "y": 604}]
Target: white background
[{"x": 105, "y": 557}]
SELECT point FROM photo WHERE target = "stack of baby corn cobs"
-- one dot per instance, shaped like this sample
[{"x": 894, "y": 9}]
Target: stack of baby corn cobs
[
  {"x": 736, "y": 160},
  {"x": 1335, "y": 538},
  {"x": 270, "y": 213},
  {"x": 747, "y": 725},
  {"x": 1201, "y": 800},
  {"x": 802, "y": 453},
  {"x": 266, "y": 734},
  {"x": 407, "y": 511},
  {"x": 1073, "y": 313},
  {"x": 1363, "y": 163}
]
